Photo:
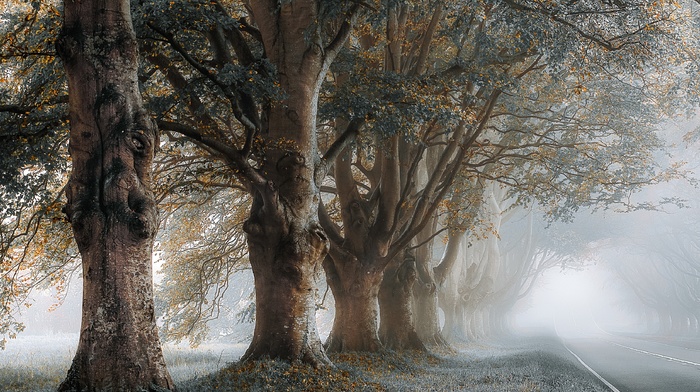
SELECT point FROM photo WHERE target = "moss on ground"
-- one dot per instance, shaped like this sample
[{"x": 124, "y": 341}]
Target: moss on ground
[{"x": 274, "y": 375}]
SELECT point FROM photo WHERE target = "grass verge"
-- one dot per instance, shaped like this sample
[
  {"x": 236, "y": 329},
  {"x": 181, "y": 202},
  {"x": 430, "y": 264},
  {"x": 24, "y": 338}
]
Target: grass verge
[
  {"x": 524, "y": 366},
  {"x": 477, "y": 369}
]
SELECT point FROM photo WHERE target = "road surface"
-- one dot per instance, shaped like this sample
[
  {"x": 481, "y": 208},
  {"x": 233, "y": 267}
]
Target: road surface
[{"x": 638, "y": 364}]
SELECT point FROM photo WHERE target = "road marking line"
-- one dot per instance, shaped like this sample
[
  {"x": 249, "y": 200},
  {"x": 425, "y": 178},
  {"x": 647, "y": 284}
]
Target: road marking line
[
  {"x": 606, "y": 382},
  {"x": 656, "y": 355}
]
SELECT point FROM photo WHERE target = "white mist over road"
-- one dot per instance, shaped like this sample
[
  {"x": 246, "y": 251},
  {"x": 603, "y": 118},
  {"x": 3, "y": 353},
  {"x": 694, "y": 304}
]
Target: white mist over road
[
  {"x": 639, "y": 364},
  {"x": 576, "y": 302},
  {"x": 594, "y": 319}
]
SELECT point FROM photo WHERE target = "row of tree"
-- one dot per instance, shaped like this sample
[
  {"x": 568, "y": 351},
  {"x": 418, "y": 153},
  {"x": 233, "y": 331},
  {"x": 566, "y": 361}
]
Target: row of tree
[{"x": 354, "y": 132}]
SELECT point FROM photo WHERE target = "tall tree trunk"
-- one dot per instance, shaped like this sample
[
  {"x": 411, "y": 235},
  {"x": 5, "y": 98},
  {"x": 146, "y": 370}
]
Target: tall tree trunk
[
  {"x": 425, "y": 310},
  {"x": 448, "y": 280},
  {"x": 287, "y": 245},
  {"x": 357, "y": 259},
  {"x": 110, "y": 202},
  {"x": 285, "y": 258},
  {"x": 355, "y": 290},
  {"x": 396, "y": 330},
  {"x": 454, "y": 329}
]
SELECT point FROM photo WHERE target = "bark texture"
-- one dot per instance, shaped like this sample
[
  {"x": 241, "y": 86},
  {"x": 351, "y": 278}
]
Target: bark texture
[
  {"x": 286, "y": 249},
  {"x": 358, "y": 256},
  {"x": 396, "y": 329},
  {"x": 356, "y": 318},
  {"x": 287, "y": 245},
  {"x": 110, "y": 202}
]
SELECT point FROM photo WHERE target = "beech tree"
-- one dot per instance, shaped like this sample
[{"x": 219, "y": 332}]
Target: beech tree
[
  {"x": 272, "y": 149},
  {"x": 464, "y": 83},
  {"x": 110, "y": 204},
  {"x": 498, "y": 102},
  {"x": 499, "y": 266},
  {"x": 265, "y": 133}
]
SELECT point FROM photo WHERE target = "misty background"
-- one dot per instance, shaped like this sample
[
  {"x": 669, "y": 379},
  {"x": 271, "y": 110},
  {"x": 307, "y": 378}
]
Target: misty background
[{"x": 630, "y": 272}]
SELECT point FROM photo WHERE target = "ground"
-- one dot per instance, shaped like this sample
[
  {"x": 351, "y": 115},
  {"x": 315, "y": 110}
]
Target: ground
[{"x": 34, "y": 363}]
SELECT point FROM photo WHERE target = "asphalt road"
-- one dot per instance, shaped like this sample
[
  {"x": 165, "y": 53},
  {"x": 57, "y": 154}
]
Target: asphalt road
[{"x": 638, "y": 364}]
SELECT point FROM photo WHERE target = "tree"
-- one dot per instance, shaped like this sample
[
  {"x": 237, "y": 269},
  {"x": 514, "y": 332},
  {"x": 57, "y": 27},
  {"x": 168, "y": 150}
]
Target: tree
[
  {"x": 111, "y": 205},
  {"x": 272, "y": 149},
  {"x": 35, "y": 243},
  {"x": 474, "y": 83},
  {"x": 500, "y": 93}
]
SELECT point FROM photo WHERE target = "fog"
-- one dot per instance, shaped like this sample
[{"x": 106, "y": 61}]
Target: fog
[
  {"x": 642, "y": 267},
  {"x": 607, "y": 275},
  {"x": 577, "y": 303}
]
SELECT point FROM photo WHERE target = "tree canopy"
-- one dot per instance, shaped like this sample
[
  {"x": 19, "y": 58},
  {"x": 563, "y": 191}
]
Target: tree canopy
[{"x": 420, "y": 106}]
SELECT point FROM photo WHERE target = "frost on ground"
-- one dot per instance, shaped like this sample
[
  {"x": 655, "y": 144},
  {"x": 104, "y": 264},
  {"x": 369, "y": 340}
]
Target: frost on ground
[{"x": 39, "y": 364}]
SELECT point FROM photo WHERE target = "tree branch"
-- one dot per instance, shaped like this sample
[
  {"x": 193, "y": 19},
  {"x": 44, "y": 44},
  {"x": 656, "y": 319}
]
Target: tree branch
[
  {"x": 606, "y": 43},
  {"x": 233, "y": 97},
  {"x": 233, "y": 157},
  {"x": 331, "y": 228},
  {"x": 338, "y": 147},
  {"x": 427, "y": 40},
  {"x": 16, "y": 109},
  {"x": 342, "y": 36}
]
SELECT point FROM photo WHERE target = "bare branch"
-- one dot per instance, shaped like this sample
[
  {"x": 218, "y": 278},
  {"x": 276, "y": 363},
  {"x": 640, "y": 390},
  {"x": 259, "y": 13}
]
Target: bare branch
[
  {"x": 606, "y": 43},
  {"x": 331, "y": 228}
]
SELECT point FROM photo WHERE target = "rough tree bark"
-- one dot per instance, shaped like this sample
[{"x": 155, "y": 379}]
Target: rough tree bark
[
  {"x": 355, "y": 323},
  {"x": 396, "y": 329},
  {"x": 277, "y": 159},
  {"x": 287, "y": 245},
  {"x": 357, "y": 259},
  {"x": 110, "y": 202}
]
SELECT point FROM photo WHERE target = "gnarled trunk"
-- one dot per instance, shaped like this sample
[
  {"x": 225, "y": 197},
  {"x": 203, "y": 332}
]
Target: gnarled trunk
[
  {"x": 396, "y": 329},
  {"x": 110, "y": 202},
  {"x": 355, "y": 288},
  {"x": 286, "y": 243},
  {"x": 285, "y": 258},
  {"x": 426, "y": 317},
  {"x": 425, "y": 292},
  {"x": 356, "y": 264}
]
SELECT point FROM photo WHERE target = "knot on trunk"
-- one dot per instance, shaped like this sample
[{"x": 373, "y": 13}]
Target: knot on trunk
[
  {"x": 319, "y": 242},
  {"x": 128, "y": 200},
  {"x": 358, "y": 214},
  {"x": 295, "y": 179}
]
